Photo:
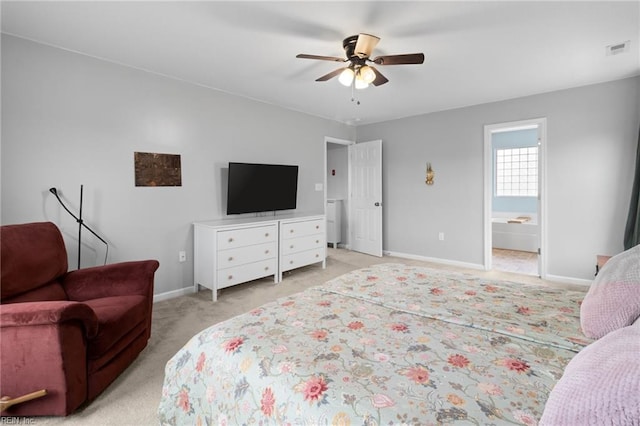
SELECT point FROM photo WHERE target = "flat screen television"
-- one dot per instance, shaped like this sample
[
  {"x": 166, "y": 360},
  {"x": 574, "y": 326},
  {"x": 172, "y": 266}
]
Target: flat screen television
[{"x": 261, "y": 187}]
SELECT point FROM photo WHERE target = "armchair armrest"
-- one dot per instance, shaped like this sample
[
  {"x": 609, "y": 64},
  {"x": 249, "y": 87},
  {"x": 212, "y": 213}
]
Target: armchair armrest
[
  {"x": 44, "y": 346},
  {"x": 48, "y": 313},
  {"x": 118, "y": 279}
]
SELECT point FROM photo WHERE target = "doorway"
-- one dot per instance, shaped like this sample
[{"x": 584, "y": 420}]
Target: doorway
[
  {"x": 353, "y": 191},
  {"x": 336, "y": 193},
  {"x": 514, "y": 203}
]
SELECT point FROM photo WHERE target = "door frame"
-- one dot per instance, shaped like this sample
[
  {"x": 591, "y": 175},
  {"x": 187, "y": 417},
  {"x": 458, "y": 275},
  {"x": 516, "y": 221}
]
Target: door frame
[
  {"x": 489, "y": 129},
  {"x": 346, "y": 142}
]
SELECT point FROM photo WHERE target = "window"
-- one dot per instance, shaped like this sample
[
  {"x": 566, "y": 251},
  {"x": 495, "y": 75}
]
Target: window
[{"x": 517, "y": 172}]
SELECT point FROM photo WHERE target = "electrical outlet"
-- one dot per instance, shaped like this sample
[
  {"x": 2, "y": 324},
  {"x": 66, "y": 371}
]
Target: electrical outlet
[
  {"x": 441, "y": 236},
  {"x": 182, "y": 256}
]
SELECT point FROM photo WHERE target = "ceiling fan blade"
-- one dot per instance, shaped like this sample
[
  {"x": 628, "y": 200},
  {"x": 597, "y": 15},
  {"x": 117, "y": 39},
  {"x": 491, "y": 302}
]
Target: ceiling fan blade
[
  {"x": 331, "y": 74},
  {"x": 322, "y": 58},
  {"x": 409, "y": 58},
  {"x": 380, "y": 79},
  {"x": 365, "y": 45}
]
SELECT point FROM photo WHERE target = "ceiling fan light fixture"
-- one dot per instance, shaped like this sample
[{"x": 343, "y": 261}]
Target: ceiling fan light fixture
[
  {"x": 360, "y": 82},
  {"x": 357, "y": 73},
  {"x": 365, "y": 45},
  {"x": 346, "y": 77},
  {"x": 367, "y": 74}
]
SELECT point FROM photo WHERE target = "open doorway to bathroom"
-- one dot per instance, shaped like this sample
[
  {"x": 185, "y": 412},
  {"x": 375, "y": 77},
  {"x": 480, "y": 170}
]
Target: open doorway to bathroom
[
  {"x": 337, "y": 191},
  {"x": 514, "y": 175}
]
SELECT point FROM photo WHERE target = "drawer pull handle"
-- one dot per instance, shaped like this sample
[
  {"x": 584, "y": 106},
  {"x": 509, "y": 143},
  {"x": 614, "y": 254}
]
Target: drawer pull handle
[
  {"x": 317, "y": 241},
  {"x": 317, "y": 226},
  {"x": 291, "y": 231},
  {"x": 266, "y": 234},
  {"x": 230, "y": 277},
  {"x": 230, "y": 258},
  {"x": 266, "y": 252},
  {"x": 230, "y": 240},
  {"x": 291, "y": 262},
  {"x": 266, "y": 268},
  {"x": 291, "y": 246},
  {"x": 317, "y": 255}
]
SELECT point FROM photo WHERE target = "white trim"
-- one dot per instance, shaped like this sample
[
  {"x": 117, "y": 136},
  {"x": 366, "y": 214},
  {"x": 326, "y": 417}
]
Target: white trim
[
  {"x": 489, "y": 129},
  {"x": 434, "y": 260},
  {"x": 516, "y": 126},
  {"x": 173, "y": 294},
  {"x": 542, "y": 206},
  {"x": 553, "y": 278},
  {"x": 569, "y": 280},
  {"x": 338, "y": 141}
]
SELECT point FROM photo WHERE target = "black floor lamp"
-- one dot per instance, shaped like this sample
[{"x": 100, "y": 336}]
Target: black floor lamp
[{"x": 80, "y": 224}]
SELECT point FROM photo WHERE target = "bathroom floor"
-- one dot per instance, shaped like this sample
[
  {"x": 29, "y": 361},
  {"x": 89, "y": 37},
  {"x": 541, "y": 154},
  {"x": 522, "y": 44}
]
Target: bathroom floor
[{"x": 521, "y": 262}]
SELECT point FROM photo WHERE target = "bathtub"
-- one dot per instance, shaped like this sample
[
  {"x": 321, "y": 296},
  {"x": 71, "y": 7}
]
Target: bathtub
[{"x": 514, "y": 236}]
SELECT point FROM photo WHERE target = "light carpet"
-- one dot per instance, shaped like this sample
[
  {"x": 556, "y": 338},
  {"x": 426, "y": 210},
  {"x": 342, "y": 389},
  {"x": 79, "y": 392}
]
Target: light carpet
[{"x": 134, "y": 397}]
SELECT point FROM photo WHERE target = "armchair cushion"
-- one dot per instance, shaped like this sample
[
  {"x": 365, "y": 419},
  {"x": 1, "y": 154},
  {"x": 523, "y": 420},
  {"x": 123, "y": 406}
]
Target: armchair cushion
[
  {"x": 117, "y": 316},
  {"x": 31, "y": 257},
  {"x": 51, "y": 291}
]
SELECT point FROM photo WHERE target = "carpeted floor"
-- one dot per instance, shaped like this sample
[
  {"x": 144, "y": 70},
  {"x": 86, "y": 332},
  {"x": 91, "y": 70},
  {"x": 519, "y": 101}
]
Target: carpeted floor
[{"x": 134, "y": 397}]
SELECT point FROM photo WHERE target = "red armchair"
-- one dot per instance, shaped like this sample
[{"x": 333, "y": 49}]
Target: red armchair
[{"x": 70, "y": 333}]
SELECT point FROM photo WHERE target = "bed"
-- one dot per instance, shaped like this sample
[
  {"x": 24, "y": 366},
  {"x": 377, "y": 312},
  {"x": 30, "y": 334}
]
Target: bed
[{"x": 390, "y": 344}]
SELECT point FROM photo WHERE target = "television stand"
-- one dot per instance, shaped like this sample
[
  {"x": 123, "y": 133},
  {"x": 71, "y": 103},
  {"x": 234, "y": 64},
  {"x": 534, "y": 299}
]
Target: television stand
[{"x": 229, "y": 252}]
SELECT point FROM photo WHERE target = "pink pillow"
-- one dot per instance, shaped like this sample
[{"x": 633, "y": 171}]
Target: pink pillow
[
  {"x": 613, "y": 300},
  {"x": 600, "y": 385}
]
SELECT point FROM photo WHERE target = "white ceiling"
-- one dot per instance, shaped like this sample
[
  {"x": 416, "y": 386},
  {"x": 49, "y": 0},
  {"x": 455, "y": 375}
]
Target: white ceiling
[{"x": 476, "y": 52}]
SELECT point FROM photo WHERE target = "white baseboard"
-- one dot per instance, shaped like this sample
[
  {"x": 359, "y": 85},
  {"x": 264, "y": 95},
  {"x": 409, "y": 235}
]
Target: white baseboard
[
  {"x": 549, "y": 277},
  {"x": 568, "y": 280},
  {"x": 172, "y": 294},
  {"x": 435, "y": 260}
]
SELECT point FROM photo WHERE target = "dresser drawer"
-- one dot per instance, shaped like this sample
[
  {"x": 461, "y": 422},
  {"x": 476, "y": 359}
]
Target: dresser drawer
[
  {"x": 296, "y": 260},
  {"x": 294, "y": 245},
  {"x": 302, "y": 228},
  {"x": 249, "y": 254},
  {"x": 239, "y": 274},
  {"x": 247, "y": 236}
]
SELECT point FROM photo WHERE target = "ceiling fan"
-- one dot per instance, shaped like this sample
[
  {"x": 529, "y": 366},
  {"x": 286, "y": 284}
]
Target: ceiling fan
[{"x": 358, "y": 50}]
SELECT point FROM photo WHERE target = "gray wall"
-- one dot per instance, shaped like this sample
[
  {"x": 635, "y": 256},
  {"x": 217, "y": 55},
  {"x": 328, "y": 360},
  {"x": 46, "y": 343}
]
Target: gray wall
[
  {"x": 591, "y": 143},
  {"x": 68, "y": 119}
]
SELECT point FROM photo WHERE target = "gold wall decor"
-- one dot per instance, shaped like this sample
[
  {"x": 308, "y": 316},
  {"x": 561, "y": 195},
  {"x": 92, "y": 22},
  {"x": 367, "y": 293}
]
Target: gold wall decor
[
  {"x": 153, "y": 169},
  {"x": 430, "y": 174}
]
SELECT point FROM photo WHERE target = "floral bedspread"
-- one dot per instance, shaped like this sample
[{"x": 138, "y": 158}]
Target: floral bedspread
[{"x": 390, "y": 344}]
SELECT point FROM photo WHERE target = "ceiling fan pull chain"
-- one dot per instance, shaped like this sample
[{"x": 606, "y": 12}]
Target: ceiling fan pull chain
[{"x": 353, "y": 95}]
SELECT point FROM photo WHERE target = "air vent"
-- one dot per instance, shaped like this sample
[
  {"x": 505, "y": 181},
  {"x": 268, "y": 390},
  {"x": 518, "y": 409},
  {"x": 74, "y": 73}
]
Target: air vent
[{"x": 615, "y": 49}]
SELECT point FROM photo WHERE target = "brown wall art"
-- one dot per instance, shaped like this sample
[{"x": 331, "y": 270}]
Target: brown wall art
[{"x": 157, "y": 169}]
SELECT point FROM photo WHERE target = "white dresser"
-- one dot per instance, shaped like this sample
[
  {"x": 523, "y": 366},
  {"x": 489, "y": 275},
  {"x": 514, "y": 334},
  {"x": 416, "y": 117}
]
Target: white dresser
[
  {"x": 302, "y": 242},
  {"x": 234, "y": 251}
]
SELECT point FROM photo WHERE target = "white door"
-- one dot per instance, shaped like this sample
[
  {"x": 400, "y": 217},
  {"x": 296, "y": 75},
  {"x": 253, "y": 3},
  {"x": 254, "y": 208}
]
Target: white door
[{"x": 366, "y": 197}]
